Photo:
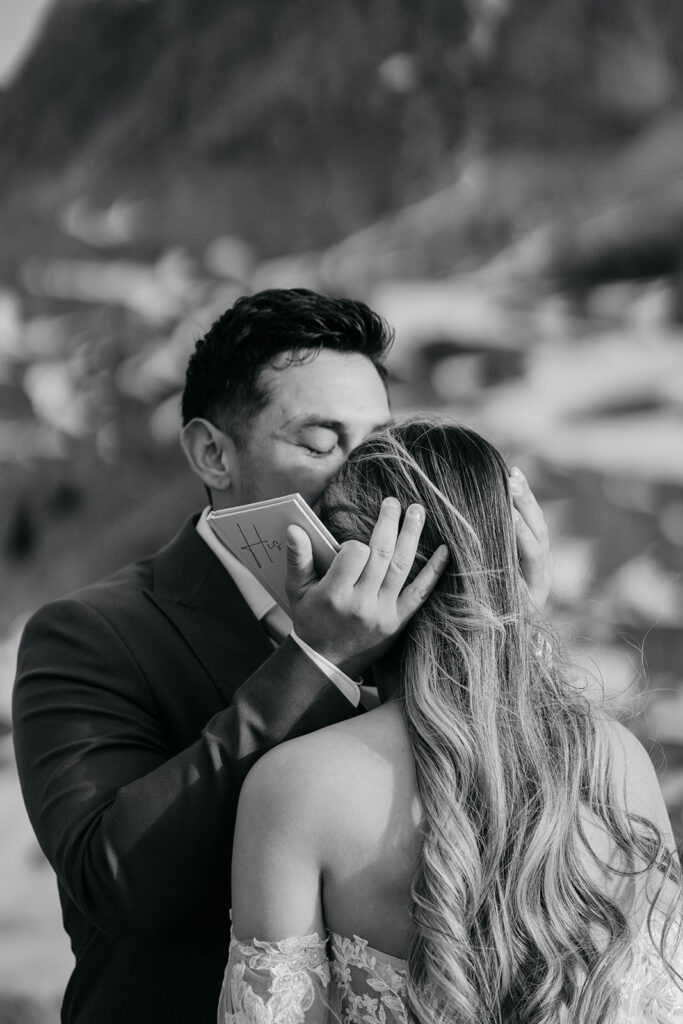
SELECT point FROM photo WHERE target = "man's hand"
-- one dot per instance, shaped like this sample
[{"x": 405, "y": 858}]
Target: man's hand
[
  {"x": 354, "y": 613},
  {"x": 533, "y": 543}
]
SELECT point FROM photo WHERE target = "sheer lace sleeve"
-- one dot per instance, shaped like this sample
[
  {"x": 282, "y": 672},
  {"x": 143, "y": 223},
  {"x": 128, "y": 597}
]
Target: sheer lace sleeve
[
  {"x": 285, "y": 982},
  {"x": 648, "y": 993},
  {"x": 306, "y": 980}
]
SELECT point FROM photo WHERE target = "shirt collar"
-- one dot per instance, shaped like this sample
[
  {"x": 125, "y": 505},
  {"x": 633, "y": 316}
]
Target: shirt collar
[{"x": 257, "y": 597}]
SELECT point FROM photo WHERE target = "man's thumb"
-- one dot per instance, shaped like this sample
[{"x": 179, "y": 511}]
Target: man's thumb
[{"x": 300, "y": 569}]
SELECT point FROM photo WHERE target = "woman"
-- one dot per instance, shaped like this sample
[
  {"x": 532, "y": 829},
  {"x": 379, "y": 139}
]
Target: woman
[{"x": 482, "y": 847}]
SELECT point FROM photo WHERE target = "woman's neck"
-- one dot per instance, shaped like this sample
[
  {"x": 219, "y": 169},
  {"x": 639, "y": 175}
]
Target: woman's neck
[{"x": 387, "y": 685}]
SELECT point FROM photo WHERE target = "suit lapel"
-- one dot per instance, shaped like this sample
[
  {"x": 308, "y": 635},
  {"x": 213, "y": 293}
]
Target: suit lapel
[{"x": 198, "y": 595}]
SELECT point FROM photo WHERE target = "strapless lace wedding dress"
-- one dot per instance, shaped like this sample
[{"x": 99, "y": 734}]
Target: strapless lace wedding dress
[{"x": 336, "y": 980}]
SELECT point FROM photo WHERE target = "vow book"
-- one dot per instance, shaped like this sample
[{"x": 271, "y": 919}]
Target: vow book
[{"x": 256, "y": 534}]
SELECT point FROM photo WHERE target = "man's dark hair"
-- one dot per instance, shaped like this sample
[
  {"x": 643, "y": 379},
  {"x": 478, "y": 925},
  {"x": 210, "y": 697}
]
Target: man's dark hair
[{"x": 221, "y": 383}]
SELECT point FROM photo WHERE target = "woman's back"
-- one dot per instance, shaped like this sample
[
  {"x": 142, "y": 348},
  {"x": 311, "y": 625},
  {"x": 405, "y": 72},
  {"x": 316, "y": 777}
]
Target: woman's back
[
  {"x": 353, "y": 785},
  {"x": 371, "y": 842},
  {"x": 350, "y": 797}
]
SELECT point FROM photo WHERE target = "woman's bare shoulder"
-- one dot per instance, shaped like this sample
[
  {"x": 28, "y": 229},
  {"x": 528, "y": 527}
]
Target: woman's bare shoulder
[
  {"x": 634, "y": 774},
  {"x": 636, "y": 790},
  {"x": 337, "y": 753},
  {"x": 350, "y": 768}
]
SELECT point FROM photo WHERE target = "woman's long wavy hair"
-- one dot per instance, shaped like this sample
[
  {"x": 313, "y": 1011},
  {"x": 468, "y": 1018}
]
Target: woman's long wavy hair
[{"x": 509, "y": 759}]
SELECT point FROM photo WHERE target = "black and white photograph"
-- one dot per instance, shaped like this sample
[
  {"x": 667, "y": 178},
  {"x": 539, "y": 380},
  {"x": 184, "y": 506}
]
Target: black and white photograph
[{"x": 341, "y": 532}]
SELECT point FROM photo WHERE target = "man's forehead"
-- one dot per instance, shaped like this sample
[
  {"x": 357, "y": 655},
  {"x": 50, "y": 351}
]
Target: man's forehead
[{"x": 334, "y": 387}]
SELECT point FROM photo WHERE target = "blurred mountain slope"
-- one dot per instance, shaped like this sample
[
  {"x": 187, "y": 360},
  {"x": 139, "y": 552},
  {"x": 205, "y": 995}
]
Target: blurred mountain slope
[
  {"x": 296, "y": 124},
  {"x": 230, "y": 115}
]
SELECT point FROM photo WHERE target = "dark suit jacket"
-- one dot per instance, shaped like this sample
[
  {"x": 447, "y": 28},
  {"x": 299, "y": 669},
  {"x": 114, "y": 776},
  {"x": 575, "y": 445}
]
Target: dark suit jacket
[{"x": 140, "y": 704}]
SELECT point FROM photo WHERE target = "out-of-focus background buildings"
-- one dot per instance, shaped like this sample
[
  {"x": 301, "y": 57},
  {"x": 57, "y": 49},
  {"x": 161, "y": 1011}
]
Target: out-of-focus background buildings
[{"x": 503, "y": 179}]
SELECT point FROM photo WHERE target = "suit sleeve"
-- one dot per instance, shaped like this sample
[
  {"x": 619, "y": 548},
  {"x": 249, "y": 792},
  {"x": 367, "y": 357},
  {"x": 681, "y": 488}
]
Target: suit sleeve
[{"x": 139, "y": 839}]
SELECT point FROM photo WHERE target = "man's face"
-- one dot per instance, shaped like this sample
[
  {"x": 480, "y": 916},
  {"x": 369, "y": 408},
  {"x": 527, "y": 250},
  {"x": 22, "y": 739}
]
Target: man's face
[{"x": 318, "y": 411}]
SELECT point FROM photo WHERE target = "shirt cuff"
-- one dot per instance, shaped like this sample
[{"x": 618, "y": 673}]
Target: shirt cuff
[{"x": 349, "y": 687}]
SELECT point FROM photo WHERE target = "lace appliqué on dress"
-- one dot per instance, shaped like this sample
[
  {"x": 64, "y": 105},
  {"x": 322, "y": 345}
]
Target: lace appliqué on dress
[
  {"x": 310, "y": 980},
  {"x": 302, "y": 981},
  {"x": 648, "y": 994},
  {"x": 371, "y": 990},
  {"x": 276, "y": 982}
]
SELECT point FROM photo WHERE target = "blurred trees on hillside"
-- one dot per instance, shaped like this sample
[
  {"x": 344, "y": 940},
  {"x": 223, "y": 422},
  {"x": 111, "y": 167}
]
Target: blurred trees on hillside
[{"x": 224, "y": 115}]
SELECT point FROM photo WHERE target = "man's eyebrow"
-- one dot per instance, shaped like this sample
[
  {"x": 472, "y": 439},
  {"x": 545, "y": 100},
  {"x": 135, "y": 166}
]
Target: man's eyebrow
[{"x": 341, "y": 429}]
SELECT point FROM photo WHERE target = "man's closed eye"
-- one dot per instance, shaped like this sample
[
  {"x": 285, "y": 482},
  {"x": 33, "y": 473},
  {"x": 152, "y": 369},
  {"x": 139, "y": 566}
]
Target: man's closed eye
[
  {"x": 316, "y": 454},
  {"x": 319, "y": 441}
]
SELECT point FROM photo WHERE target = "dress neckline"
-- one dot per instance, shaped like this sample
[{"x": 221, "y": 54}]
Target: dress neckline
[
  {"x": 315, "y": 939},
  {"x": 344, "y": 942}
]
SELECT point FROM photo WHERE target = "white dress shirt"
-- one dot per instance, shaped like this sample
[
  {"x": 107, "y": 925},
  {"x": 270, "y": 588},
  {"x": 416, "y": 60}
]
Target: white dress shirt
[{"x": 260, "y": 602}]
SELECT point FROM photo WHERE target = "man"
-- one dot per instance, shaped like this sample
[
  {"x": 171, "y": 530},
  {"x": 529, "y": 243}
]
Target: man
[{"x": 142, "y": 701}]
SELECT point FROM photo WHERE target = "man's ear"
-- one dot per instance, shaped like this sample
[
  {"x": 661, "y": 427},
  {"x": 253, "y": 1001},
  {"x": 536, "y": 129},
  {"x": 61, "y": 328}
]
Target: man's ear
[{"x": 210, "y": 452}]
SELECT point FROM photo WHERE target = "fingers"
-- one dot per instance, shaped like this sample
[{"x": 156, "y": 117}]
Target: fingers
[
  {"x": 382, "y": 546},
  {"x": 348, "y": 565},
  {"x": 533, "y": 543},
  {"x": 416, "y": 593},
  {"x": 388, "y": 557},
  {"x": 404, "y": 552},
  {"x": 527, "y": 506},
  {"x": 300, "y": 570},
  {"x": 528, "y": 548}
]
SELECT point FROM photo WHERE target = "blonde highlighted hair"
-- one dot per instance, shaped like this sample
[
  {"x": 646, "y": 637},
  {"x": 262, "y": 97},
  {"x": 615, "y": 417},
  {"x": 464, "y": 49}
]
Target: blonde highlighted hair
[{"x": 507, "y": 753}]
